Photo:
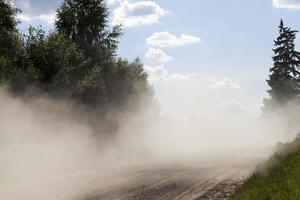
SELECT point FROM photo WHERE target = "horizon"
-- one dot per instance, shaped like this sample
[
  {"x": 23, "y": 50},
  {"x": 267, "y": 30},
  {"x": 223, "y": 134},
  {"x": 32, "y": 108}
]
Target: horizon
[{"x": 220, "y": 52}]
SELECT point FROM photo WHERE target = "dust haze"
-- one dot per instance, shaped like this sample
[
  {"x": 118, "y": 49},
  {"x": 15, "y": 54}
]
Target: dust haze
[{"x": 54, "y": 149}]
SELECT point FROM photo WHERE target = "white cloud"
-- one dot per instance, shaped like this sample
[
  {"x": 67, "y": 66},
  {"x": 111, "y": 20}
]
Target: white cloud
[
  {"x": 37, "y": 12},
  {"x": 160, "y": 73},
  {"x": 158, "y": 55},
  {"x": 224, "y": 84},
  {"x": 235, "y": 108},
  {"x": 290, "y": 4},
  {"x": 193, "y": 98},
  {"x": 232, "y": 107},
  {"x": 137, "y": 13},
  {"x": 113, "y": 2},
  {"x": 165, "y": 39},
  {"x": 183, "y": 77},
  {"x": 48, "y": 18}
]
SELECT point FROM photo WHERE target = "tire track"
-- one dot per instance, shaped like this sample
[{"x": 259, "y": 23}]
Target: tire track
[{"x": 173, "y": 184}]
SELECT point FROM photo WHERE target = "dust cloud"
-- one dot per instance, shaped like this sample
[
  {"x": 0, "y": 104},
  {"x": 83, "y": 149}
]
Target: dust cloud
[{"x": 52, "y": 149}]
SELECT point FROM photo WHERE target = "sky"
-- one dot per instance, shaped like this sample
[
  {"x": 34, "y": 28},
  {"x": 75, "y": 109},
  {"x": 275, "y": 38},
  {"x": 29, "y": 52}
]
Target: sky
[{"x": 221, "y": 47}]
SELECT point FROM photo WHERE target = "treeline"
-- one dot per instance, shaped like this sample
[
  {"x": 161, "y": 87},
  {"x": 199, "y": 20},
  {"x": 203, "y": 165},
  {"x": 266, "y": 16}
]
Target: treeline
[
  {"x": 284, "y": 80},
  {"x": 76, "y": 61}
]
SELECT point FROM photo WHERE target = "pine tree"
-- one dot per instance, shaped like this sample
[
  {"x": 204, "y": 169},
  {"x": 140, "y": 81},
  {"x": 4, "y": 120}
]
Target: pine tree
[{"x": 284, "y": 75}]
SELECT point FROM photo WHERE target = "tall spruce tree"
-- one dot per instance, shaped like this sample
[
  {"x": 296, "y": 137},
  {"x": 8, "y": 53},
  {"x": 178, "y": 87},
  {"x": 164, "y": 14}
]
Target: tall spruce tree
[{"x": 284, "y": 75}]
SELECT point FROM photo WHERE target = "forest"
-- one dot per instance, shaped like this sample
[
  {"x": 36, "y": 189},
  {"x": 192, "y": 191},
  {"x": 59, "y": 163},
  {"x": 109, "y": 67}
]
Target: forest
[{"x": 77, "y": 60}]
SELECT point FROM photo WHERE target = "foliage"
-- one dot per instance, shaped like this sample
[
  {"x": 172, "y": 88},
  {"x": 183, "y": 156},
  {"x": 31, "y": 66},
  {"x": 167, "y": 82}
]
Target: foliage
[
  {"x": 278, "y": 178},
  {"x": 85, "y": 23},
  {"x": 9, "y": 39},
  {"x": 285, "y": 74},
  {"x": 76, "y": 61},
  {"x": 8, "y": 21}
]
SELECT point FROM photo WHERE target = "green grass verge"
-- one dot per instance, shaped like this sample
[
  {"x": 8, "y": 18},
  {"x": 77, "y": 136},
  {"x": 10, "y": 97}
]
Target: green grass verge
[{"x": 277, "y": 179}]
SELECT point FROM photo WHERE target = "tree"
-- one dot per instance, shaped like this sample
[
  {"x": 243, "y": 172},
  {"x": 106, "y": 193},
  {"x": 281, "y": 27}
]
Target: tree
[
  {"x": 56, "y": 63},
  {"x": 9, "y": 39},
  {"x": 8, "y": 21},
  {"x": 8, "y": 29},
  {"x": 76, "y": 61},
  {"x": 107, "y": 81},
  {"x": 85, "y": 22},
  {"x": 284, "y": 77}
]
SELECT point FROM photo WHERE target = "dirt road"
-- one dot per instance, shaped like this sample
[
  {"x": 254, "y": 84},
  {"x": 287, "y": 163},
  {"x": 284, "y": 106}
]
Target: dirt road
[
  {"x": 174, "y": 183},
  {"x": 130, "y": 182}
]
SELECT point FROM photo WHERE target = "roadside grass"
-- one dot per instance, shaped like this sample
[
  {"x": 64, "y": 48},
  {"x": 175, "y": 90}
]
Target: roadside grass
[{"x": 277, "y": 179}]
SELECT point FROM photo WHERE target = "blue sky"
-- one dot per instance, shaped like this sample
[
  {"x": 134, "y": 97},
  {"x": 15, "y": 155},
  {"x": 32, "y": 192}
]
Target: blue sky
[{"x": 227, "y": 43}]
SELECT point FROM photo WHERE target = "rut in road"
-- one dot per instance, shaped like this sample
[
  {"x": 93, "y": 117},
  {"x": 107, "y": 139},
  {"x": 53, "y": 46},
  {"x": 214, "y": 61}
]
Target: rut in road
[{"x": 174, "y": 184}]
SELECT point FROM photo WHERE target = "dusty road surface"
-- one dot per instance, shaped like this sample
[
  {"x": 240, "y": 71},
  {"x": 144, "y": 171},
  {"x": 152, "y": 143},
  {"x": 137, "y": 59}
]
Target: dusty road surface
[
  {"x": 130, "y": 182},
  {"x": 174, "y": 183},
  {"x": 129, "y": 179}
]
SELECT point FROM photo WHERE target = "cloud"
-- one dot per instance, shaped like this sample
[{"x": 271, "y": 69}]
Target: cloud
[
  {"x": 224, "y": 84},
  {"x": 193, "y": 98},
  {"x": 290, "y": 4},
  {"x": 37, "y": 12},
  {"x": 137, "y": 13},
  {"x": 235, "y": 108},
  {"x": 113, "y": 2},
  {"x": 165, "y": 39},
  {"x": 232, "y": 107},
  {"x": 158, "y": 55},
  {"x": 183, "y": 77},
  {"x": 48, "y": 18},
  {"x": 160, "y": 73}
]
